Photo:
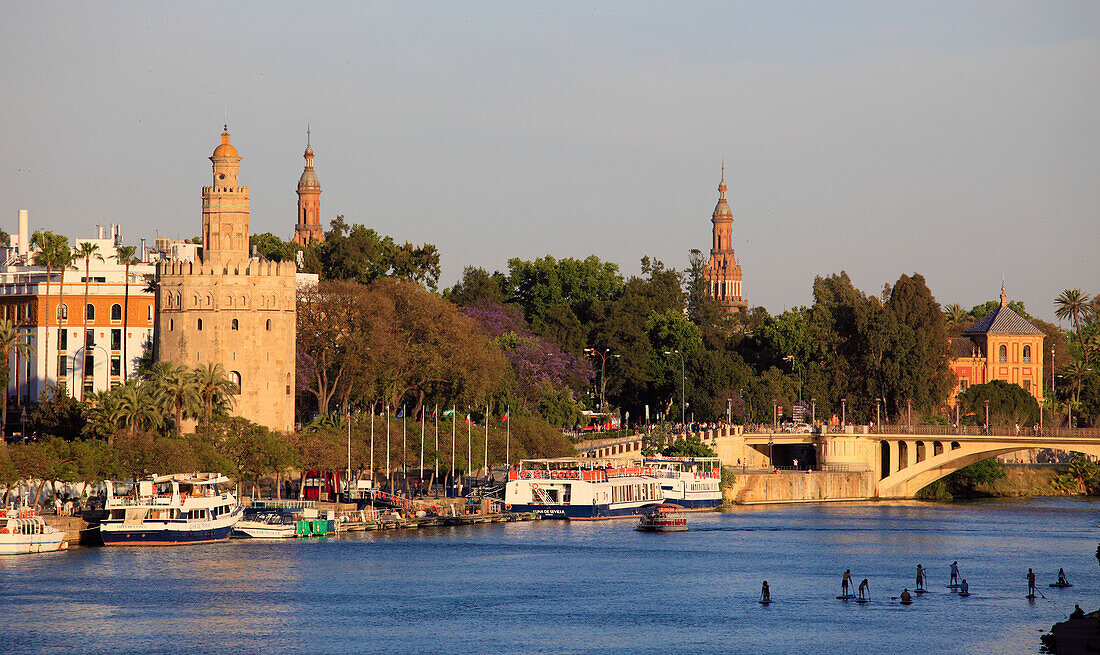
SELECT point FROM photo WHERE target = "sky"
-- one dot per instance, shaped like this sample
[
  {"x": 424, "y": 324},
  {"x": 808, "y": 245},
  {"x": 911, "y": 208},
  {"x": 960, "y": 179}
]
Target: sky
[{"x": 955, "y": 140}]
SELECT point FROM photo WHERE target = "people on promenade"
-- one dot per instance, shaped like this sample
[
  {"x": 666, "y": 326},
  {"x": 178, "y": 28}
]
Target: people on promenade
[
  {"x": 864, "y": 589},
  {"x": 765, "y": 592},
  {"x": 920, "y": 577},
  {"x": 955, "y": 572},
  {"x": 1030, "y": 582},
  {"x": 845, "y": 581}
]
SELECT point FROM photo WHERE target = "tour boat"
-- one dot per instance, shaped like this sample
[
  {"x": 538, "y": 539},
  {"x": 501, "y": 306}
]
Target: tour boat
[
  {"x": 170, "y": 510},
  {"x": 690, "y": 482},
  {"x": 267, "y": 526},
  {"x": 663, "y": 518},
  {"x": 22, "y": 531},
  {"x": 581, "y": 489}
]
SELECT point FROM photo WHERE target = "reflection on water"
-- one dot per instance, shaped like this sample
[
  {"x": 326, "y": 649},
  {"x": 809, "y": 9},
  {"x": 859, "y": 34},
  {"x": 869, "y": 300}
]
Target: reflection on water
[{"x": 555, "y": 587}]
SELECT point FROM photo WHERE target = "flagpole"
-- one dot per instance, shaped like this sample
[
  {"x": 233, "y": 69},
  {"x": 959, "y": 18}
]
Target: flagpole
[
  {"x": 508, "y": 437},
  {"x": 485, "y": 455},
  {"x": 469, "y": 442},
  {"x": 454, "y": 421},
  {"x": 389, "y": 480},
  {"x": 421, "y": 475},
  {"x": 435, "y": 462},
  {"x": 372, "y": 445},
  {"x": 404, "y": 465},
  {"x": 348, "y": 481}
]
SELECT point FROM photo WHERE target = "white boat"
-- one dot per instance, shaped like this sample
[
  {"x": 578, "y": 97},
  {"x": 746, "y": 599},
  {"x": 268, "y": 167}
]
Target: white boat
[
  {"x": 170, "y": 510},
  {"x": 267, "y": 526},
  {"x": 22, "y": 531},
  {"x": 581, "y": 489},
  {"x": 690, "y": 482},
  {"x": 663, "y": 518}
]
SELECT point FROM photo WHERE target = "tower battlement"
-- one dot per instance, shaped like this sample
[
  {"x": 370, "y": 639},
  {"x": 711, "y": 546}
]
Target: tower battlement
[
  {"x": 237, "y": 190},
  {"x": 251, "y": 268}
]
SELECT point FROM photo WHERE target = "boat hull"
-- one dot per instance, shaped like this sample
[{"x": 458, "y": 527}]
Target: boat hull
[
  {"x": 257, "y": 530},
  {"x": 25, "y": 544},
  {"x": 149, "y": 536},
  {"x": 580, "y": 512}
]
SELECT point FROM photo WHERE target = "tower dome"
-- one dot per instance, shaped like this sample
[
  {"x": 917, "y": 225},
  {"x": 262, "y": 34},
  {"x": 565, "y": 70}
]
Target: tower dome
[{"x": 225, "y": 149}]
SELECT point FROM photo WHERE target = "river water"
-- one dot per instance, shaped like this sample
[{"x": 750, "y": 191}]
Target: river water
[{"x": 560, "y": 587}]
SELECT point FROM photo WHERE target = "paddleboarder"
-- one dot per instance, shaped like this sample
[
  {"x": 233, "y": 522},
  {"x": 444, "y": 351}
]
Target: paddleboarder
[
  {"x": 765, "y": 593},
  {"x": 864, "y": 589},
  {"x": 920, "y": 578},
  {"x": 1062, "y": 578},
  {"x": 1030, "y": 583},
  {"x": 964, "y": 588},
  {"x": 845, "y": 581},
  {"x": 955, "y": 572},
  {"x": 906, "y": 597}
]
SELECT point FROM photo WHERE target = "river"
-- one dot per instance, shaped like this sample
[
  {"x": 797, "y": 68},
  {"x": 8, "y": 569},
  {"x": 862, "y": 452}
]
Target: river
[{"x": 560, "y": 587}]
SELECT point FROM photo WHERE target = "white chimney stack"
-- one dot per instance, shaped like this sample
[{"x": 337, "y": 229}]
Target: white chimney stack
[{"x": 23, "y": 247}]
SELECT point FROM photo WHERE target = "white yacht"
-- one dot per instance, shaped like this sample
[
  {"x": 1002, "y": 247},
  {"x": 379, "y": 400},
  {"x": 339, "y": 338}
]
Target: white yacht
[
  {"x": 581, "y": 489},
  {"x": 169, "y": 510}
]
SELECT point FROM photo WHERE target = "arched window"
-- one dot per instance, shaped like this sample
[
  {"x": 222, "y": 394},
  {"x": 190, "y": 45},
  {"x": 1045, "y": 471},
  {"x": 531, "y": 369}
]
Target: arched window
[
  {"x": 1027, "y": 354},
  {"x": 116, "y": 312},
  {"x": 62, "y": 312},
  {"x": 235, "y": 378},
  {"x": 235, "y": 325},
  {"x": 89, "y": 312},
  {"x": 268, "y": 325},
  {"x": 1002, "y": 354},
  {"x": 200, "y": 324}
]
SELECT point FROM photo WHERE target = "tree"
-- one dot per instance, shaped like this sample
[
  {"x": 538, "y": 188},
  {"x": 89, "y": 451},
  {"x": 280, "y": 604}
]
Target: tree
[
  {"x": 557, "y": 294},
  {"x": 1076, "y": 372},
  {"x": 57, "y": 414},
  {"x": 1074, "y": 305},
  {"x": 477, "y": 285},
  {"x": 689, "y": 447},
  {"x": 214, "y": 386},
  {"x": 138, "y": 406},
  {"x": 51, "y": 252},
  {"x": 11, "y": 341},
  {"x": 1008, "y": 404},
  {"x": 359, "y": 254},
  {"x": 179, "y": 391},
  {"x": 271, "y": 247},
  {"x": 86, "y": 250},
  {"x": 125, "y": 256}
]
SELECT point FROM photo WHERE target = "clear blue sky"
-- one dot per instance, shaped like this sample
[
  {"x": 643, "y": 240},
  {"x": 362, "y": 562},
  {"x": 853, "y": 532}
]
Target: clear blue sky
[{"x": 958, "y": 140}]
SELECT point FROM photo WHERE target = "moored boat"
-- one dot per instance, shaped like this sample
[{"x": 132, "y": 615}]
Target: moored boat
[
  {"x": 666, "y": 517},
  {"x": 581, "y": 489},
  {"x": 267, "y": 526},
  {"x": 22, "y": 531},
  {"x": 170, "y": 510},
  {"x": 691, "y": 482}
]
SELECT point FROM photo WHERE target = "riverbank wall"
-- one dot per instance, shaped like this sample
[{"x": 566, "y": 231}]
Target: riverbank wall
[{"x": 799, "y": 487}]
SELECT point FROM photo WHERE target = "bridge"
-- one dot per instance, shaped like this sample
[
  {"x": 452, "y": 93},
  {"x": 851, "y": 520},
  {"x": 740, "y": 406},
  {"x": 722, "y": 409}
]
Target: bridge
[{"x": 897, "y": 461}]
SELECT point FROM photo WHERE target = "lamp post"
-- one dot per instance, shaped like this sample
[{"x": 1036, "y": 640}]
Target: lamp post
[
  {"x": 1053, "y": 399},
  {"x": 987, "y": 415},
  {"x": 843, "y": 411},
  {"x": 775, "y": 414},
  {"x": 603, "y": 370},
  {"x": 813, "y": 411},
  {"x": 909, "y": 413},
  {"x": 878, "y": 413},
  {"x": 683, "y": 386}
]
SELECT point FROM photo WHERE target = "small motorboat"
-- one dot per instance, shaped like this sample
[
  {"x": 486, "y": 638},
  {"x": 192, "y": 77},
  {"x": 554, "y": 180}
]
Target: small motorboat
[
  {"x": 267, "y": 526},
  {"x": 22, "y": 531},
  {"x": 665, "y": 517}
]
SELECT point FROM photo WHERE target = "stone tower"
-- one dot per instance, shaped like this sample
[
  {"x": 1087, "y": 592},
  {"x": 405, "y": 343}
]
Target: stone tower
[
  {"x": 230, "y": 308},
  {"x": 723, "y": 273},
  {"x": 309, "y": 203}
]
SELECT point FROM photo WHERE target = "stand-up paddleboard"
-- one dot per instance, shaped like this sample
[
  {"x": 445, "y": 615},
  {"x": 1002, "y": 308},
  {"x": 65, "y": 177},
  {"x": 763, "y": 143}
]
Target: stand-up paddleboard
[
  {"x": 921, "y": 591},
  {"x": 1031, "y": 596},
  {"x": 964, "y": 594},
  {"x": 863, "y": 600},
  {"x": 846, "y": 597},
  {"x": 765, "y": 602},
  {"x": 1059, "y": 586},
  {"x": 906, "y": 602},
  {"x": 953, "y": 586}
]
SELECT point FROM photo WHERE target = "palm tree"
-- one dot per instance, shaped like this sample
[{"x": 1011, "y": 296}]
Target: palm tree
[
  {"x": 11, "y": 340},
  {"x": 214, "y": 385},
  {"x": 179, "y": 392},
  {"x": 125, "y": 256},
  {"x": 955, "y": 315},
  {"x": 1077, "y": 372},
  {"x": 1074, "y": 305},
  {"x": 86, "y": 250},
  {"x": 137, "y": 406},
  {"x": 49, "y": 247}
]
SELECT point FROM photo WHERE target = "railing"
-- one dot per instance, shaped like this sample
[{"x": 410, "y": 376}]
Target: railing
[{"x": 994, "y": 430}]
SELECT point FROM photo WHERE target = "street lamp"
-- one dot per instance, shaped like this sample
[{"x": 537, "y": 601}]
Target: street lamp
[
  {"x": 603, "y": 370},
  {"x": 775, "y": 414},
  {"x": 909, "y": 413},
  {"x": 987, "y": 415},
  {"x": 813, "y": 411},
  {"x": 843, "y": 411},
  {"x": 878, "y": 413},
  {"x": 683, "y": 386}
]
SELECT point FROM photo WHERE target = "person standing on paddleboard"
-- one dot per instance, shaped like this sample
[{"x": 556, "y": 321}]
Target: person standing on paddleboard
[
  {"x": 864, "y": 589},
  {"x": 955, "y": 572},
  {"x": 920, "y": 577},
  {"x": 765, "y": 593},
  {"x": 845, "y": 581},
  {"x": 1030, "y": 582}
]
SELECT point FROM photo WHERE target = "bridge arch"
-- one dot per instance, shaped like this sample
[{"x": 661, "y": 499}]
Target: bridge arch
[{"x": 905, "y": 482}]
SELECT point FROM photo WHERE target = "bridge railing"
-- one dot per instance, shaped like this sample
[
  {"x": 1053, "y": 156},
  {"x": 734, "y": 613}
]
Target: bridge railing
[{"x": 994, "y": 430}]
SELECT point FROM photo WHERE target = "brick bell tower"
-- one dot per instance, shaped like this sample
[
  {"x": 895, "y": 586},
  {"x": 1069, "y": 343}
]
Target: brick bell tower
[
  {"x": 723, "y": 273},
  {"x": 309, "y": 203}
]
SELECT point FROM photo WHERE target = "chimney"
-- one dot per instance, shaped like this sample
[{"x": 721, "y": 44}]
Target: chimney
[{"x": 23, "y": 247}]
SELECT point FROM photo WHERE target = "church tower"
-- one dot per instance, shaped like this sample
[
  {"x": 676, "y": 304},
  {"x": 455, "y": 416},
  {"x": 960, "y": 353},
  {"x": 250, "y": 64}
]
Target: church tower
[
  {"x": 225, "y": 209},
  {"x": 723, "y": 273},
  {"x": 309, "y": 203}
]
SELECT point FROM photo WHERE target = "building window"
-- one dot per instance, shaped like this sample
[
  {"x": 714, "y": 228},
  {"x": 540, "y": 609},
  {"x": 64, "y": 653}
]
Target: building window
[
  {"x": 63, "y": 366},
  {"x": 1027, "y": 354},
  {"x": 288, "y": 385},
  {"x": 62, "y": 312},
  {"x": 89, "y": 312},
  {"x": 235, "y": 378},
  {"x": 1002, "y": 354},
  {"x": 200, "y": 324},
  {"x": 116, "y": 312},
  {"x": 116, "y": 339},
  {"x": 116, "y": 365},
  {"x": 64, "y": 345},
  {"x": 89, "y": 365},
  {"x": 89, "y": 339},
  {"x": 963, "y": 384},
  {"x": 268, "y": 325},
  {"x": 149, "y": 314},
  {"x": 235, "y": 325}
]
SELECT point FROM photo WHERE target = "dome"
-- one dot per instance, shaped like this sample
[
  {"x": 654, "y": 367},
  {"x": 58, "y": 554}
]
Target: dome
[
  {"x": 225, "y": 149},
  {"x": 308, "y": 179}
]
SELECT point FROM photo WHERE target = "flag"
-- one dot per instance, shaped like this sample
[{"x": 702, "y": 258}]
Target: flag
[
  {"x": 400, "y": 412},
  {"x": 447, "y": 413},
  {"x": 467, "y": 417},
  {"x": 504, "y": 418}
]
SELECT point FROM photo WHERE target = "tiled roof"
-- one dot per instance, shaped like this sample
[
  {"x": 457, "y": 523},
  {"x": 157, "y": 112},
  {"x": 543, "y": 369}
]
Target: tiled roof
[
  {"x": 962, "y": 347},
  {"x": 1003, "y": 320}
]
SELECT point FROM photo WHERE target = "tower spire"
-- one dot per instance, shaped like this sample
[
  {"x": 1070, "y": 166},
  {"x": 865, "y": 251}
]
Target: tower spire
[
  {"x": 722, "y": 184},
  {"x": 1004, "y": 297}
]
